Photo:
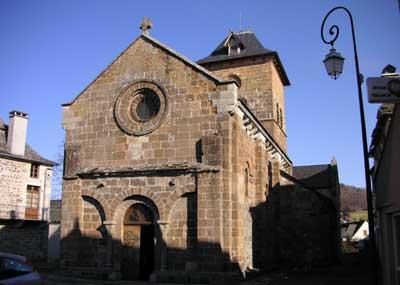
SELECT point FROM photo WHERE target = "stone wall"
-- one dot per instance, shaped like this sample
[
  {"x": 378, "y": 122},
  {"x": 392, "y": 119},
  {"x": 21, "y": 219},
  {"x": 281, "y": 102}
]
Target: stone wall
[
  {"x": 26, "y": 238},
  {"x": 262, "y": 88},
  {"x": 306, "y": 217},
  {"x": 14, "y": 179},
  {"x": 200, "y": 172},
  {"x": 96, "y": 139},
  {"x": 308, "y": 237}
]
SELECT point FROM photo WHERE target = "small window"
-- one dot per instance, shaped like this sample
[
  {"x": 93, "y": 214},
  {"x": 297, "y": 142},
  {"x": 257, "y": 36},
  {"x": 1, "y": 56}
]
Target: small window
[
  {"x": 246, "y": 182},
  {"x": 34, "y": 170},
  {"x": 281, "y": 117},
  {"x": 233, "y": 47},
  {"x": 236, "y": 79},
  {"x": 278, "y": 118},
  {"x": 269, "y": 176}
]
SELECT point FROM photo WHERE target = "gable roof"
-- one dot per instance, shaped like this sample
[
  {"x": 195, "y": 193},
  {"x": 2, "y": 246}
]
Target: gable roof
[
  {"x": 30, "y": 154},
  {"x": 306, "y": 171},
  {"x": 169, "y": 50},
  {"x": 315, "y": 176},
  {"x": 251, "y": 47},
  {"x": 235, "y": 37}
]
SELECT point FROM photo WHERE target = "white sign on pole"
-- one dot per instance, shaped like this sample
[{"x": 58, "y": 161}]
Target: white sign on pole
[{"x": 383, "y": 89}]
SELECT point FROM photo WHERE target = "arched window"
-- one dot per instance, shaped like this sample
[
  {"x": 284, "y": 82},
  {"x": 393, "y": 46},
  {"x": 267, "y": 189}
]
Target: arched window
[
  {"x": 269, "y": 176},
  {"x": 246, "y": 182},
  {"x": 278, "y": 118},
  {"x": 138, "y": 214},
  {"x": 236, "y": 79}
]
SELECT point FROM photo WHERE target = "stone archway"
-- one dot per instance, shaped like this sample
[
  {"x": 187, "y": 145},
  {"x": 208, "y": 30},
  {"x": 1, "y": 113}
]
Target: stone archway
[{"x": 138, "y": 242}]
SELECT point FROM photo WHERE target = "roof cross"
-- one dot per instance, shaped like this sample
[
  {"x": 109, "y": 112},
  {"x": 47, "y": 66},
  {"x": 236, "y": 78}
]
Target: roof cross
[{"x": 146, "y": 25}]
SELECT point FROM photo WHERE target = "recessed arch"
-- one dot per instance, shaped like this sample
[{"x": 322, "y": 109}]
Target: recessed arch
[
  {"x": 97, "y": 205},
  {"x": 235, "y": 78}
]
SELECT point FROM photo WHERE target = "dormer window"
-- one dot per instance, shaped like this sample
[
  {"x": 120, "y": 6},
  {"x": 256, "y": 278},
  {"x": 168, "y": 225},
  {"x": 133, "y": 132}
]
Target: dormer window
[{"x": 233, "y": 45}]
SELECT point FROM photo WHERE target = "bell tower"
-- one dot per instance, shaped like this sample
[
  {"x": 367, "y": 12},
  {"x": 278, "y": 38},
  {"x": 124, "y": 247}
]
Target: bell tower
[{"x": 260, "y": 75}]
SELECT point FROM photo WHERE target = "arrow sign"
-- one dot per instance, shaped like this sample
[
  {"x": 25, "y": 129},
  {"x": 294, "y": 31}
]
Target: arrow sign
[{"x": 383, "y": 89}]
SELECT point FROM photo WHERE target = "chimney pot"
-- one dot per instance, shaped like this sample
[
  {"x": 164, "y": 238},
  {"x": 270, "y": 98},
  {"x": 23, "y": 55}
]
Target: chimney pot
[{"x": 17, "y": 132}]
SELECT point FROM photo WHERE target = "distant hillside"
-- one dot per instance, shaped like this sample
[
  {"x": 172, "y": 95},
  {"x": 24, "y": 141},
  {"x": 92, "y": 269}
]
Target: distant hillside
[{"x": 352, "y": 198}]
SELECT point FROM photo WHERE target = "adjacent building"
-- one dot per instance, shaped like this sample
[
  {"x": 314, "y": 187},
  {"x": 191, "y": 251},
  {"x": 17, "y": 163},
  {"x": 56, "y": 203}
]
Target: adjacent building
[
  {"x": 179, "y": 172},
  {"x": 25, "y": 188},
  {"x": 386, "y": 154},
  {"x": 25, "y": 176}
]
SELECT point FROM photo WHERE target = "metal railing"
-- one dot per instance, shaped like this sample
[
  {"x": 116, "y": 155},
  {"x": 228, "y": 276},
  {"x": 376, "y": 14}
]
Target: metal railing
[{"x": 18, "y": 212}]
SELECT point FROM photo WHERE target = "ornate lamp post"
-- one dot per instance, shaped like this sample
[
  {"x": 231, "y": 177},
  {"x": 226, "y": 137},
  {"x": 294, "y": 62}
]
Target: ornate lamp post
[{"x": 334, "y": 64}]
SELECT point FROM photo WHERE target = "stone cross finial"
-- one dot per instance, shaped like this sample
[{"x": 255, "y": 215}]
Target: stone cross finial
[{"x": 146, "y": 25}]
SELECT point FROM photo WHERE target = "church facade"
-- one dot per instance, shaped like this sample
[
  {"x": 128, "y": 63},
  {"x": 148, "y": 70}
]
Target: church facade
[{"x": 170, "y": 164}]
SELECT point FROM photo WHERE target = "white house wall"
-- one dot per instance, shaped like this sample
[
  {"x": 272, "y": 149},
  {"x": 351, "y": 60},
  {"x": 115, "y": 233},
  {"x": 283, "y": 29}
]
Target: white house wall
[{"x": 14, "y": 179}]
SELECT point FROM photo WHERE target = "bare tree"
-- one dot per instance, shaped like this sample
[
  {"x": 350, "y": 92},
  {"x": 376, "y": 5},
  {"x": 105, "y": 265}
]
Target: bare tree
[
  {"x": 352, "y": 198},
  {"x": 58, "y": 173}
]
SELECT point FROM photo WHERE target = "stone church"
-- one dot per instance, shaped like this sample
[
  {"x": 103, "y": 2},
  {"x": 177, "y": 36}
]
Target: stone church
[{"x": 177, "y": 171}]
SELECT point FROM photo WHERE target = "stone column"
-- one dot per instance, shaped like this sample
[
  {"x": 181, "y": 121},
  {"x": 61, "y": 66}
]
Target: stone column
[
  {"x": 109, "y": 225},
  {"x": 163, "y": 245}
]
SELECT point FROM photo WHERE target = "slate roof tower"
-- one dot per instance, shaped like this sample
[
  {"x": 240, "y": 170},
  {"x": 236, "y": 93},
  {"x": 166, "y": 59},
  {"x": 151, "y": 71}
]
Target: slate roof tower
[{"x": 242, "y": 57}]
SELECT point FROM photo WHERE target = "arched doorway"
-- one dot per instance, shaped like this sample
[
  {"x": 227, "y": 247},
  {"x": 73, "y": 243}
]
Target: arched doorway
[{"x": 138, "y": 243}]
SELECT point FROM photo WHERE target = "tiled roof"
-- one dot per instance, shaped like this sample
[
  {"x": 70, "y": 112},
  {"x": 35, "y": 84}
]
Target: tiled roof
[
  {"x": 315, "y": 176},
  {"x": 55, "y": 211},
  {"x": 30, "y": 154},
  {"x": 306, "y": 171}
]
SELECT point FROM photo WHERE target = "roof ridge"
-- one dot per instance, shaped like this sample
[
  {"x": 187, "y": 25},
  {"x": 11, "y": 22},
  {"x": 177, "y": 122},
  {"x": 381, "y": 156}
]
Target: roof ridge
[
  {"x": 180, "y": 56},
  {"x": 308, "y": 165},
  {"x": 248, "y": 31},
  {"x": 184, "y": 58}
]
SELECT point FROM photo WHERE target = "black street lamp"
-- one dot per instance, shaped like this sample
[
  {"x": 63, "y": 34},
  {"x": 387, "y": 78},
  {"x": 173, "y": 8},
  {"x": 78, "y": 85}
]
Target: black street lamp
[{"x": 334, "y": 64}]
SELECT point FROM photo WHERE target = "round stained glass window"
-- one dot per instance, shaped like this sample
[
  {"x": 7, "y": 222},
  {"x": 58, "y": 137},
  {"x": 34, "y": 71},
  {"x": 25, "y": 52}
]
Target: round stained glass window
[
  {"x": 140, "y": 108},
  {"x": 146, "y": 106}
]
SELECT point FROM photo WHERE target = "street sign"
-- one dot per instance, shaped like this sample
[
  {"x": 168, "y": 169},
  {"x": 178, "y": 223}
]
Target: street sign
[{"x": 383, "y": 89}]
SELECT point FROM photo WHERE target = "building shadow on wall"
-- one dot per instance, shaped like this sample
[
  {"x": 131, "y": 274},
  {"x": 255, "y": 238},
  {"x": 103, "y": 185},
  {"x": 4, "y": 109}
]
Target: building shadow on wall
[
  {"x": 297, "y": 226},
  {"x": 142, "y": 252},
  {"x": 24, "y": 237},
  {"x": 201, "y": 262}
]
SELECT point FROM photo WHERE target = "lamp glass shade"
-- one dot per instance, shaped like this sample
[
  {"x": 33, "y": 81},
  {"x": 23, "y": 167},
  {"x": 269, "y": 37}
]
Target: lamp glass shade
[{"x": 334, "y": 63}]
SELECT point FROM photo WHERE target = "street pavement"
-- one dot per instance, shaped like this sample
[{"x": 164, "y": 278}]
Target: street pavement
[{"x": 354, "y": 269}]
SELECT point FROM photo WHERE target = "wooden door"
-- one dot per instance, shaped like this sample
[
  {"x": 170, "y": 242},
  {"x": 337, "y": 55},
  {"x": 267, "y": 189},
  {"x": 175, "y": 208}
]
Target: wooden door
[
  {"x": 138, "y": 243},
  {"x": 32, "y": 202},
  {"x": 131, "y": 252}
]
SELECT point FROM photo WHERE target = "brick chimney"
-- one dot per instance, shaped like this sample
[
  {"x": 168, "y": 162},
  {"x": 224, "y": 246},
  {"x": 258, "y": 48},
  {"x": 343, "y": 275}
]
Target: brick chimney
[{"x": 17, "y": 132}]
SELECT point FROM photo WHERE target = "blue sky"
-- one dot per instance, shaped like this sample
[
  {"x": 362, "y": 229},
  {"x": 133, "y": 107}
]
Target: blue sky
[{"x": 51, "y": 50}]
